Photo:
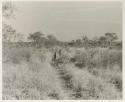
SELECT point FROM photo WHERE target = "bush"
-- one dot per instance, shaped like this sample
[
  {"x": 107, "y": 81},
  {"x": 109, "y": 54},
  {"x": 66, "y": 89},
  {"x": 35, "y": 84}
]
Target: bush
[
  {"x": 80, "y": 59},
  {"x": 97, "y": 58}
]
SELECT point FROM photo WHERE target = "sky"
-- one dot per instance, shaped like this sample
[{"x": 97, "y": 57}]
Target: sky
[{"x": 68, "y": 20}]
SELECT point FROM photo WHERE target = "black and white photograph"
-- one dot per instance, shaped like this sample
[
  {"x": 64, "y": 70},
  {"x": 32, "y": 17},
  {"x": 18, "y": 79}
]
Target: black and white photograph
[{"x": 62, "y": 50}]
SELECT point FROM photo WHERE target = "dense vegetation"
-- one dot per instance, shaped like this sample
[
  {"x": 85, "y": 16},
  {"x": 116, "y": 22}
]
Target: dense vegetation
[{"x": 78, "y": 73}]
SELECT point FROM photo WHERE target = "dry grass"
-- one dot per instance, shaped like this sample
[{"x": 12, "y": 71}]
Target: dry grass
[
  {"x": 92, "y": 86},
  {"x": 98, "y": 58},
  {"x": 84, "y": 74}
]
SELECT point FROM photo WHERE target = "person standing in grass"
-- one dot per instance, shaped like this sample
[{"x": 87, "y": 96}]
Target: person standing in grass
[{"x": 57, "y": 54}]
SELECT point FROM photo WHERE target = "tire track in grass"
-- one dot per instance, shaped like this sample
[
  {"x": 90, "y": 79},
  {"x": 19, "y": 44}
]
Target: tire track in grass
[{"x": 75, "y": 92}]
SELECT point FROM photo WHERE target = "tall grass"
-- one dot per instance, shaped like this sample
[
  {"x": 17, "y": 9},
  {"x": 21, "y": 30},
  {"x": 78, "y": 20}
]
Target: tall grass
[
  {"x": 91, "y": 86},
  {"x": 98, "y": 58},
  {"x": 32, "y": 79},
  {"x": 28, "y": 73}
]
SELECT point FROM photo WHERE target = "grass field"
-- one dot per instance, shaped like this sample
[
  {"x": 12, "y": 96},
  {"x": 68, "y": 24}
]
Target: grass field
[{"x": 30, "y": 73}]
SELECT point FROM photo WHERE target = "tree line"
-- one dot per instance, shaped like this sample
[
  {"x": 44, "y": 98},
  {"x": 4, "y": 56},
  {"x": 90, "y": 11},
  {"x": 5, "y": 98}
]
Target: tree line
[
  {"x": 108, "y": 40},
  {"x": 39, "y": 39}
]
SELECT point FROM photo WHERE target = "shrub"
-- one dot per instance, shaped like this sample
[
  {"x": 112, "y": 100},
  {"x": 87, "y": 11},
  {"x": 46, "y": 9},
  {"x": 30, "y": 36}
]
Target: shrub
[
  {"x": 97, "y": 58},
  {"x": 80, "y": 59},
  {"x": 115, "y": 58}
]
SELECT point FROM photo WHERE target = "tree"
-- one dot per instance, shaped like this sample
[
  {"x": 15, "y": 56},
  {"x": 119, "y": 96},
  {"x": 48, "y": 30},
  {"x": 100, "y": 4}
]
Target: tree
[
  {"x": 78, "y": 42},
  {"x": 38, "y": 38},
  {"x": 8, "y": 33},
  {"x": 111, "y": 37},
  {"x": 52, "y": 40},
  {"x": 8, "y": 9},
  {"x": 103, "y": 41}
]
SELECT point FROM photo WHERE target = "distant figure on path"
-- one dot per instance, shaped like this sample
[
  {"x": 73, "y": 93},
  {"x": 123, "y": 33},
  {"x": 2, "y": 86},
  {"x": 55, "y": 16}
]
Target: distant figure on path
[
  {"x": 54, "y": 56},
  {"x": 57, "y": 53}
]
